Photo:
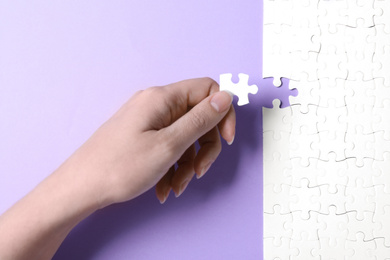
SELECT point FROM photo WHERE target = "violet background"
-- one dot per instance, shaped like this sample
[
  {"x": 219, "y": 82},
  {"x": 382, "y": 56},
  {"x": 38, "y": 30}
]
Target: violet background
[{"x": 67, "y": 66}]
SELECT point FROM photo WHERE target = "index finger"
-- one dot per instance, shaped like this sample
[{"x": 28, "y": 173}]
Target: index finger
[{"x": 192, "y": 91}]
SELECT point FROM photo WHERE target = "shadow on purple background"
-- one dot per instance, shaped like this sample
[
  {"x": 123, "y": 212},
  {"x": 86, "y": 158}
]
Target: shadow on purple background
[
  {"x": 67, "y": 66},
  {"x": 86, "y": 240}
]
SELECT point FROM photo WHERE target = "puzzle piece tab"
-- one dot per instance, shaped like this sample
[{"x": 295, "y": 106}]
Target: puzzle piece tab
[{"x": 240, "y": 89}]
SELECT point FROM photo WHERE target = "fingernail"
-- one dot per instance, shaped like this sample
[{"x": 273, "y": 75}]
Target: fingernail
[
  {"x": 183, "y": 187},
  {"x": 165, "y": 196},
  {"x": 204, "y": 170},
  {"x": 230, "y": 143},
  {"x": 221, "y": 101}
]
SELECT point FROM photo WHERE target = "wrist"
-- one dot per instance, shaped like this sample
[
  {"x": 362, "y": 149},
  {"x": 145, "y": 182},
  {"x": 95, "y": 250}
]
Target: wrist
[
  {"x": 41, "y": 220},
  {"x": 77, "y": 190}
]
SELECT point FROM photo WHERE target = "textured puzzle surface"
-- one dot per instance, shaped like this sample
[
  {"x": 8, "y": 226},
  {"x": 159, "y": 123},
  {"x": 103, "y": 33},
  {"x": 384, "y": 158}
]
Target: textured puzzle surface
[
  {"x": 327, "y": 157},
  {"x": 240, "y": 89}
]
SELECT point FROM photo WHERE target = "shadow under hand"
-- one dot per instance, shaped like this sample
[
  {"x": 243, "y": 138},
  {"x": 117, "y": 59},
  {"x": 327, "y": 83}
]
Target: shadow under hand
[{"x": 105, "y": 226}]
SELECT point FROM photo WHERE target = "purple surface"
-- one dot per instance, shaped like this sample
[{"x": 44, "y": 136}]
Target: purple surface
[{"x": 66, "y": 66}]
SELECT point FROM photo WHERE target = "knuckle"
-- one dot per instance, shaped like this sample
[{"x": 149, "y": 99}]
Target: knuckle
[
  {"x": 171, "y": 150},
  {"x": 152, "y": 91},
  {"x": 169, "y": 144},
  {"x": 214, "y": 86},
  {"x": 138, "y": 92},
  {"x": 199, "y": 119},
  {"x": 208, "y": 79},
  {"x": 155, "y": 95}
]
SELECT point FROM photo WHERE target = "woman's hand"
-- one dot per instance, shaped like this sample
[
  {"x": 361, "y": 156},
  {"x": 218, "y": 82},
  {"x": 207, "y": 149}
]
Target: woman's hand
[
  {"x": 138, "y": 147},
  {"x": 133, "y": 151}
]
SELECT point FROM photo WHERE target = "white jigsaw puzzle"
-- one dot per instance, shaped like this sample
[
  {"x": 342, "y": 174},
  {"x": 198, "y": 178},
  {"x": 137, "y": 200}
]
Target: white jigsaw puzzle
[
  {"x": 240, "y": 89},
  {"x": 327, "y": 157}
]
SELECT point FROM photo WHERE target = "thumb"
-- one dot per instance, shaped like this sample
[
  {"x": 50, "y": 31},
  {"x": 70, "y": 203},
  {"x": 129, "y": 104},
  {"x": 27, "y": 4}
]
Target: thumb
[{"x": 199, "y": 120}]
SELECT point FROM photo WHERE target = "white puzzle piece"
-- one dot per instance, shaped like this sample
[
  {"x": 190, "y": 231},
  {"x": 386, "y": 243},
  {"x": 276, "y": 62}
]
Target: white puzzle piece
[{"x": 240, "y": 89}]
